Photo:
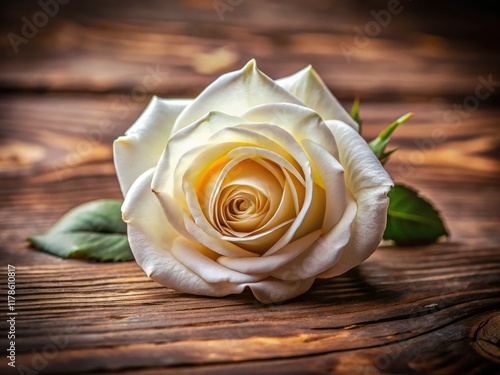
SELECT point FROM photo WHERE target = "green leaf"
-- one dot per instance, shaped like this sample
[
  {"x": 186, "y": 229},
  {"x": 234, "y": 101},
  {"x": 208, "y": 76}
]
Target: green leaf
[
  {"x": 355, "y": 113},
  {"x": 412, "y": 220},
  {"x": 93, "y": 230},
  {"x": 379, "y": 144}
]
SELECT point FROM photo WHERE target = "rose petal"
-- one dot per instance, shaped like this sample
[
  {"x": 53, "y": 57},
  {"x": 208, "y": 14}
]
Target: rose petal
[
  {"x": 236, "y": 172},
  {"x": 209, "y": 159},
  {"x": 265, "y": 264},
  {"x": 282, "y": 210},
  {"x": 288, "y": 142},
  {"x": 196, "y": 135},
  {"x": 314, "y": 216},
  {"x": 187, "y": 139},
  {"x": 331, "y": 175},
  {"x": 368, "y": 182},
  {"x": 141, "y": 209},
  {"x": 272, "y": 290},
  {"x": 302, "y": 123},
  {"x": 306, "y": 168},
  {"x": 308, "y": 86},
  {"x": 234, "y": 93},
  {"x": 366, "y": 231},
  {"x": 142, "y": 145},
  {"x": 266, "y": 183},
  {"x": 325, "y": 252},
  {"x": 362, "y": 168},
  {"x": 163, "y": 181},
  {"x": 151, "y": 237},
  {"x": 213, "y": 243},
  {"x": 250, "y": 135},
  {"x": 193, "y": 256}
]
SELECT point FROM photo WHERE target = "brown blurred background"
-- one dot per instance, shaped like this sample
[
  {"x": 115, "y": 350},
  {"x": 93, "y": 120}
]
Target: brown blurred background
[{"x": 376, "y": 49}]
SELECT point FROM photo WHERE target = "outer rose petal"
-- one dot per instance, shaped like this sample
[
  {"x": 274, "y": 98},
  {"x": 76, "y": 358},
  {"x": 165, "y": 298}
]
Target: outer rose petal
[
  {"x": 142, "y": 145},
  {"x": 234, "y": 93},
  {"x": 369, "y": 184},
  {"x": 274, "y": 261},
  {"x": 366, "y": 231},
  {"x": 273, "y": 290},
  {"x": 197, "y": 258},
  {"x": 338, "y": 251},
  {"x": 310, "y": 88},
  {"x": 323, "y": 253},
  {"x": 362, "y": 168}
]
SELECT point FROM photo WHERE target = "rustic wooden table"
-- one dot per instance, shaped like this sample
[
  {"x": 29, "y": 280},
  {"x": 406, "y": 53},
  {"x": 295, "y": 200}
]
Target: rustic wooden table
[{"x": 74, "y": 81}]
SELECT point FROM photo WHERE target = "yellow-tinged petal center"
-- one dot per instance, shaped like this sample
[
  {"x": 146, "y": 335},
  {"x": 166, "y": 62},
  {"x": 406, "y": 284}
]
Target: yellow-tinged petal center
[{"x": 253, "y": 197}]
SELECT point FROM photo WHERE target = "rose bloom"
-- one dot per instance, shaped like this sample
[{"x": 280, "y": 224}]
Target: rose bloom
[{"x": 256, "y": 184}]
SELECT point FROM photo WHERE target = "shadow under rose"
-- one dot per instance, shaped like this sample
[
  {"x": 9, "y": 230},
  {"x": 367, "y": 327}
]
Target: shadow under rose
[{"x": 351, "y": 287}]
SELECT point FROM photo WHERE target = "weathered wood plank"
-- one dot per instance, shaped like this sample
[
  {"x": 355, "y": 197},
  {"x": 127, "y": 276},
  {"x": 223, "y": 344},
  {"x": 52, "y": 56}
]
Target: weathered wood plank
[{"x": 106, "y": 313}]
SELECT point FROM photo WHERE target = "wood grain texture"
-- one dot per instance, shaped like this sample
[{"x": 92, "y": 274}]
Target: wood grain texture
[
  {"x": 69, "y": 93},
  {"x": 96, "y": 46}
]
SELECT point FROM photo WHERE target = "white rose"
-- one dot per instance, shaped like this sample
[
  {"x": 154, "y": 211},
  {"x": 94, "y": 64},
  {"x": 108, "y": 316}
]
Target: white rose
[{"x": 255, "y": 183}]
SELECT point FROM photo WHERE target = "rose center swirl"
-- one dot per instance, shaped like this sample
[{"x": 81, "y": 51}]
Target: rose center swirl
[
  {"x": 241, "y": 209},
  {"x": 251, "y": 197}
]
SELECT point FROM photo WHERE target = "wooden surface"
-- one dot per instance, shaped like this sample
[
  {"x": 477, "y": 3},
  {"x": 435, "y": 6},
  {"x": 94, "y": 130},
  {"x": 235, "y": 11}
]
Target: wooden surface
[{"x": 422, "y": 310}]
